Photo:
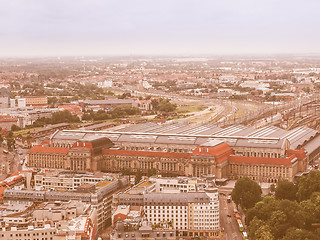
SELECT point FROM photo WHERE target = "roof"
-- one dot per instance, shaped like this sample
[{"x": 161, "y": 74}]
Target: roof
[
  {"x": 177, "y": 133},
  {"x": 146, "y": 153},
  {"x": 40, "y": 149},
  {"x": 262, "y": 160},
  {"x": 300, "y": 154},
  {"x": 221, "y": 151},
  {"x": 110, "y": 101},
  {"x": 184, "y": 198}
]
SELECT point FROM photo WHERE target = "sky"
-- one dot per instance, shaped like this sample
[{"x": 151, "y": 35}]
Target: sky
[{"x": 158, "y": 27}]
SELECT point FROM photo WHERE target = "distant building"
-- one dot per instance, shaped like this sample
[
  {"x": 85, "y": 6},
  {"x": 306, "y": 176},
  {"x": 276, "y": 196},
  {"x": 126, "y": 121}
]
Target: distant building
[
  {"x": 22, "y": 103},
  {"x": 72, "y": 108},
  {"x": 4, "y": 97},
  {"x": 105, "y": 84},
  {"x": 7, "y": 121},
  {"x": 106, "y": 104},
  {"x": 36, "y": 101}
]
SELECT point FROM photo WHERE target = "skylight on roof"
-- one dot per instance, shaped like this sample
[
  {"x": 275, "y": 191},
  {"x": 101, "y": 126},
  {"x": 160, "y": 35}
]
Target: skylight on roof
[
  {"x": 143, "y": 136},
  {"x": 182, "y": 138},
  {"x": 262, "y": 141}
]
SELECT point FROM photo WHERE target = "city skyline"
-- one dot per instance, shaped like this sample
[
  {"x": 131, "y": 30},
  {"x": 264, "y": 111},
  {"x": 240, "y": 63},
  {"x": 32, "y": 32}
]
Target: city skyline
[{"x": 104, "y": 28}]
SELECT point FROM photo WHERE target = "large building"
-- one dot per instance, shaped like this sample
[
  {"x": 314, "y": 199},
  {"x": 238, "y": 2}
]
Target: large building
[
  {"x": 190, "y": 211},
  {"x": 95, "y": 189},
  {"x": 50, "y": 221},
  {"x": 265, "y": 154}
]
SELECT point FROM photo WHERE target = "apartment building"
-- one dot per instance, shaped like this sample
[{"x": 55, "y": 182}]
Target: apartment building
[
  {"x": 194, "y": 212},
  {"x": 98, "y": 194}
]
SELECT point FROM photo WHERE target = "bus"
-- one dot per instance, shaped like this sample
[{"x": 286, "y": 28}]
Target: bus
[
  {"x": 235, "y": 211},
  {"x": 240, "y": 225}
]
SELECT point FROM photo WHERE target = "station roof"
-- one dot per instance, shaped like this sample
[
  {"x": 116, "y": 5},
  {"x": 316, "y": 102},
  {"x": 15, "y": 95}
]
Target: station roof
[{"x": 181, "y": 134}]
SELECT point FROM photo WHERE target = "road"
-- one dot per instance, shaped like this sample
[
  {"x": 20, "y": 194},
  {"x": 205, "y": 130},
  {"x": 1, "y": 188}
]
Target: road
[{"x": 231, "y": 230}]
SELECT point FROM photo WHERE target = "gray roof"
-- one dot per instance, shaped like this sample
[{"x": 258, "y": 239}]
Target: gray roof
[
  {"x": 237, "y": 135},
  {"x": 176, "y": 198},
  {"x": 110, "y": 101}
]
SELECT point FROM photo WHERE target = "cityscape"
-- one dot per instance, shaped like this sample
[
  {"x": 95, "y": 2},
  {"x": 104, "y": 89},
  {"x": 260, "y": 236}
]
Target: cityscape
[{"x": 157, "y": 134}]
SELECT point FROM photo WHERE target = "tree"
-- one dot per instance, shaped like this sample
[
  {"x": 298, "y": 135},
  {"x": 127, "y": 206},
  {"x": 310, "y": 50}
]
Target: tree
[
  {"x": 151, "y": 172},
  {"x": 264, "y": 233},
  {"x": 272, "y": 187},
  {"x": 299, "y": 234},
  {"x": 286, "y": 190},
  {"x": 126, "y": 171},
  {"x": 138, "y": 176},
  {"x": 311, "y": 208},
  {"x": 15, "y": 128},
  {"x": 246, "y": 193},
  {"x": 308, "y": 184},
  {"x": 10, "y": 143},
  {"x": 254, "y": 225}
]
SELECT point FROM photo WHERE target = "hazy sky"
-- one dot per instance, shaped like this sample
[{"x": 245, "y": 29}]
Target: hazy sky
[{"x": 131, "y": 27}]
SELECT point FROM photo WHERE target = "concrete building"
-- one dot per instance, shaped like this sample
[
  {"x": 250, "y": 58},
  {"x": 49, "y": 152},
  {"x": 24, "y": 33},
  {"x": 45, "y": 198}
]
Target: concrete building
[
  {"x": 97, "y": 194},
  {"x": 22, "y": 103},
  {"x": 36, "y": 101},
  {"x": 190, "y": 213},
  {"x": 126, "y": 231},
  {"x": 56, "y": 220}
]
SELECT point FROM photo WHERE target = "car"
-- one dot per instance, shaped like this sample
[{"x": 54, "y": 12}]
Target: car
[{"x": 228, "y": 215}]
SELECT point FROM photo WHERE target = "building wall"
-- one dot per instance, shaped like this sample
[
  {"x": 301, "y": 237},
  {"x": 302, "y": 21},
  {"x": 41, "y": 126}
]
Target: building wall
[
  {"x": 25, "y": 234},
  {"x": 37, "y": 100}
]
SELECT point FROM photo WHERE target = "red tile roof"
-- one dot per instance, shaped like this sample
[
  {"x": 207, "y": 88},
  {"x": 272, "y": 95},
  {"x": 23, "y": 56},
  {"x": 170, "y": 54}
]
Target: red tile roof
[
  {"x": 300, "y": 154},
  {"x": 146, "y": 153},
  {"x": 40, "y": 149},
  {"x": 262, "y": 160},
  {"x": 221, "y": 152}
]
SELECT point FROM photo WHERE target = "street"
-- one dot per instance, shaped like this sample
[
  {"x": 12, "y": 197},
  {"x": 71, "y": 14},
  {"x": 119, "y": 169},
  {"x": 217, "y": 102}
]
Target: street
[{"x": 231, "y": 229}]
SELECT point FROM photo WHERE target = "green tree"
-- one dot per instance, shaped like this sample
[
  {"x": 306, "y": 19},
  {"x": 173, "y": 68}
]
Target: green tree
[
  {"x": 254, "y": 225},
  {"x": 10, "y": 143},
  {"x": 286, "y": 190},
  {"x": 138, "y": 176},
  {"x": 308, "y": 184},
  {"x": 272, "y": 187},
  {"x": 311, "y": 208},
  {"x": 300, "y": 234},
  {"x": 15, "y": 128},
  {"x": 246, "y": 193},
  {"x": 151, "y": 172},
  {"x": 264, "y": 233},
  {"x": 126, "y": 171}
]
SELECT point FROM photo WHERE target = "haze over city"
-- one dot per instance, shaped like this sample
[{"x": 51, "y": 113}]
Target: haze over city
[
  {"x": 159, "y": 120},
  {"x": 144, "y": 27}
]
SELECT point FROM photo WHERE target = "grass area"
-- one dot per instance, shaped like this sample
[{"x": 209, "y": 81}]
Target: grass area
[
  {"x": 24, "y": 132},
  {"x": 190, "y": 108}
]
